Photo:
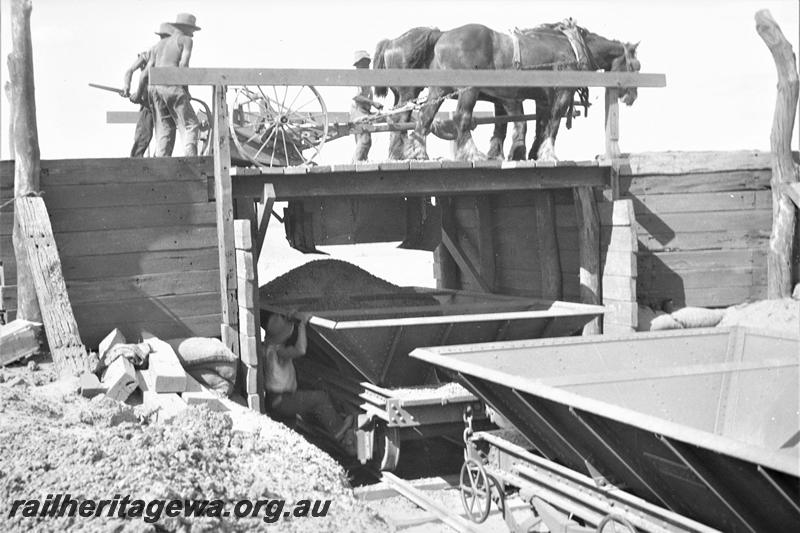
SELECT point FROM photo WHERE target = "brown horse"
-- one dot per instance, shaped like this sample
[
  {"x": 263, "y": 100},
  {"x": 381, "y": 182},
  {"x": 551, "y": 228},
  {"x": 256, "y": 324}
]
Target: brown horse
[
  {"x": 475, "y": 46},
  {"x": 412, "y": 50}
]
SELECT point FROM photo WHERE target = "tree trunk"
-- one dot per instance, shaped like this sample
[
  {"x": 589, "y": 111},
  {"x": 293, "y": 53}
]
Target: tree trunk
[
  {"x": 26, "y": 146},
  {"x": 779, "y": 261}
]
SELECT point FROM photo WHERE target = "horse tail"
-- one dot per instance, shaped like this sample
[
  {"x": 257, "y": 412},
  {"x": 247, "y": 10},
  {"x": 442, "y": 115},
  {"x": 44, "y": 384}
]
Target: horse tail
[
  {"x": 380, "y": 62},
  {"x": 422, "y": 48}
]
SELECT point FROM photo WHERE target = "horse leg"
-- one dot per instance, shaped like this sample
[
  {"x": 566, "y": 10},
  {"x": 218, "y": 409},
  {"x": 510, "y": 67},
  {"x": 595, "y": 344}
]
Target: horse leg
[
  {"x": 559, "y": 108},
  {"x": 542, "y": 112},
  {"x": 499, "y": 133},
  {"x": 397, "y": 139},
  {"x": 465, "y": 145},
  {"x": 517, "y": 150},
  {"x": 416, "y": 148}
]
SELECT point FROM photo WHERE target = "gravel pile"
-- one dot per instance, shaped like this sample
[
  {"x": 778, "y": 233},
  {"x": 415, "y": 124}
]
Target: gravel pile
[
  {"x": 100, "y": 448},
  {"x": 332, "y": 283},
  {"x": 780, "y": 315},
  {"x": 445, "y": 390}
]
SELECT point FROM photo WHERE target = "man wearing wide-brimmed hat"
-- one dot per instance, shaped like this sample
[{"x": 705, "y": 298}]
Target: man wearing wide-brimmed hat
[
  {"x": 172, "y": 102},
  {"x": 144, "y": 126},
  {"x": 362, "y": 107}
]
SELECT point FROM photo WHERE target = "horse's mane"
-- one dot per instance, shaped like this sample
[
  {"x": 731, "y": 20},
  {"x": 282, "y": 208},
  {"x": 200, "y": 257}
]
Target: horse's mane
[
  {"x": 423, "y": 40},
  {"x": 418, "y": 44},
  {"x": 552, "y": 28}
]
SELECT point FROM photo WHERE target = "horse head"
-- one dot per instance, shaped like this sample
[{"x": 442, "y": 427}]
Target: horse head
[{"x": 627, "y": 62}]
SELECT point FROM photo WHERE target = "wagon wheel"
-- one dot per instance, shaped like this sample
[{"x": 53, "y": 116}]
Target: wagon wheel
[
  {"x": 497, "y": 493},
  {"x": 205, "y": 117},
  {"x": 614, "y": 521},
  {"x": 476, "y": 492},
  {"x": 389, "y": 443},
  {"x": 279, "y": 125}
]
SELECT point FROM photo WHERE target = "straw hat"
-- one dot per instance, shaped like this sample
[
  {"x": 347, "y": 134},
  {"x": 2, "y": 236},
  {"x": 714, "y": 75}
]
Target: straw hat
[
  {"x": 186, "y": 20},
  {"x": 165, "y": 29},
  {"x": 360, "y": 55}
]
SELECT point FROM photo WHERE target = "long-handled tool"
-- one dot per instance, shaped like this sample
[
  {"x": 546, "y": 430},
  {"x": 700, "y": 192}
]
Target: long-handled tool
[{"x": 107, "y": 88}]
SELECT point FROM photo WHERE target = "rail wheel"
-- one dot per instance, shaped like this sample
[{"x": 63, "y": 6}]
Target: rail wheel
[
  {"x": 206, "y": 119},
  {"x": 389, "y": 448},
  {"x": 476, "y": 491},
  {"x": 278, "y": 125}
]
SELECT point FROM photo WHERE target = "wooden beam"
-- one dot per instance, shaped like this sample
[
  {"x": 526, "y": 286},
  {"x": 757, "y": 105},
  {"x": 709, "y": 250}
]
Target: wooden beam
[
  {"x": 264, "y": 214},
  {"x": 463, "y": 262},
  {"x": 26, "y": 147},
  {"x": 435, "y": 182},
  {"x": 547, "y": 245},
  {"x": 60, "y": 326},
  {"x": 589, "y": 250},
  {"x": 612, "y": 122},
  {"x": 224, "y": 206},
  {"x": 483, "y": 207},
  {"x": 401, "y": 78},
  {"x": 779, "y": 259}
]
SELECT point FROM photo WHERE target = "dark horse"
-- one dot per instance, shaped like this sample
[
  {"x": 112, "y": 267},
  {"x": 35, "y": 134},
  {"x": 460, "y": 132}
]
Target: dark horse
[
  {"x": 475, "y": 46},
  {"x": 412, "y": 50}
]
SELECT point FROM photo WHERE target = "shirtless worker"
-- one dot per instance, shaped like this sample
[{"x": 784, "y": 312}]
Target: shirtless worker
[
  {"x": 172, "y": 101},
  {"x": 283, "y": 397},
  {"x": 144, "y": 126},
  {"x": 362, "y": 106}
]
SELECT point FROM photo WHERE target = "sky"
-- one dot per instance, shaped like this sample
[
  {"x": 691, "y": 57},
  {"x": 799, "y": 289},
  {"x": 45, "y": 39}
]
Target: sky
[{"x": 721, "y": 78}]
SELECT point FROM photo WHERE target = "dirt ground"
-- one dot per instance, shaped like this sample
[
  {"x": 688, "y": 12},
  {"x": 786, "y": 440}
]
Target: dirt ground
[{"x": 54, "y": 441}]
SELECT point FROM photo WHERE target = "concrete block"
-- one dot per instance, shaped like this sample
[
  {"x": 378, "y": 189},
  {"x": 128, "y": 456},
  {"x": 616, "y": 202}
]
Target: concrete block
[
  {"x": 120, "y": 379},
  {"x": 254, "y": 402},
  {"x": 248, "y": 346},
  {"x": 165, "y": 366},
  {"x": 196, "y": 394},
  {"x": 115, "y": 337},
  {"x": 89, "y": 385},
  {"x": 251, "y": 379}
]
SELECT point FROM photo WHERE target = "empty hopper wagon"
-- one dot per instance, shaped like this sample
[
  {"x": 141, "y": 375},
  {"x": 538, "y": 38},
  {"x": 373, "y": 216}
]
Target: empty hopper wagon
[
  {"x": 665, "y": 431},
  {"x": 360, "y": 355}
]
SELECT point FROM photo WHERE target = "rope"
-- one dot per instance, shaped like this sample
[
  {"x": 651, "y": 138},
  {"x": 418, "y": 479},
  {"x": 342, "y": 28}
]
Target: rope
[{"x": 12, "y": 200}]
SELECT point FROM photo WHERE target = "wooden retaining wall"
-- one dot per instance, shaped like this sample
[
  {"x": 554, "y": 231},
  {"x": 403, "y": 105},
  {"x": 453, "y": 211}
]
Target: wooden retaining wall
[
  {"x": 137, "y": 240},
  {"x": 702, "y": 222}
]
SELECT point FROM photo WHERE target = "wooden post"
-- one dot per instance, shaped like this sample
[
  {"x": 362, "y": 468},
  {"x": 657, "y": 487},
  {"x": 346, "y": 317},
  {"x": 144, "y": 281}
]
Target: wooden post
[
  {"x": 26, "y": 147},
  {"x": 589, "y": 251},
  {"x": 547, "y": 244},
  {"x": 224, "y": 207},
  {"x": 483, "y": 207},
  {"x": 779, "y": 260}
]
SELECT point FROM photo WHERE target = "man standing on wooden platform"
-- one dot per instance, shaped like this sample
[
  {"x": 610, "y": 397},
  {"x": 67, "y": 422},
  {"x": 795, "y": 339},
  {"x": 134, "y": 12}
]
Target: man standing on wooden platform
[
  {"x": 145, "y": 125},
  {"x": 362, "y": 107},
  {"x": 173, "y": 103}
]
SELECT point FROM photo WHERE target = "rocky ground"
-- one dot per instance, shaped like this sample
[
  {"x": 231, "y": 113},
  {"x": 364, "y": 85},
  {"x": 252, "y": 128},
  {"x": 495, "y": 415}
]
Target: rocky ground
[{"x": 54, "y": 441}]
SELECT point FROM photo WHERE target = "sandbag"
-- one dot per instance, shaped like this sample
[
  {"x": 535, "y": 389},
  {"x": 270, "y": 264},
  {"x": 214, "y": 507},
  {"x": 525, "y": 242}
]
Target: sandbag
[
  {"x": 208, "y": 361},
  {"x": 698, "y": 317},
  {"x": 664, "y": 322}
]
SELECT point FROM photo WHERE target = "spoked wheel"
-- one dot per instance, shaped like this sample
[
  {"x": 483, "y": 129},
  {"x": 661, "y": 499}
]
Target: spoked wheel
[
  {"x": 476, "y": 492},
  {"x": 497, "y": 493},
  {"x": 279, "y": 125},
  {"x": 615, "y": 524},
  {"x": 205, "y": 117}
]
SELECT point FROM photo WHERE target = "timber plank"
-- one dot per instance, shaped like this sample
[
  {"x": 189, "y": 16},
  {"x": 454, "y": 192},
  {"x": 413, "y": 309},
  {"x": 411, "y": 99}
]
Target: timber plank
[
  {"x": 700, "y": 201},
  {"x": 144, "y": 285},
  {"x": 121, "y": 217},
  {"x": 696, "y": 279},
  {"x": 694, "y": 161},
  {"x": 115, "y": 170},
  {"x": 186, "y": 326},
  {"x": 699, "y": 260},
  {"x": 711, "y": 296},
  {"x": 156, "y": 310},
  {"x": 687, "y": 222},
  {"x": 136, "y": 194},
  {"x": 60, "y": 325},
  {"x": 713, "y": 240},
  {"x": 736, "y": 180}
]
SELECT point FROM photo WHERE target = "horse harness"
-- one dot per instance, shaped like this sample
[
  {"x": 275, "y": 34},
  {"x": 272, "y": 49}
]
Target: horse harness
[{"x": 583, "y": 59}]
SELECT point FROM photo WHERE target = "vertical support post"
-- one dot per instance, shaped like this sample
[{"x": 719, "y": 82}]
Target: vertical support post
[
  {"x": 781, "y": 240},
  {"x": 483, "y": 205},
  {"x": 224, "y": 207},
  {"x": 612, "y": 122},
  {"x": 446, "y": 273},
  {"x": 547, "y": 244},
  {"x": 264, "y": 213},
  {"x": 589, "y": 251},
  {"x": 249, "y": 312},
  {"x": 27, "y": 165}
]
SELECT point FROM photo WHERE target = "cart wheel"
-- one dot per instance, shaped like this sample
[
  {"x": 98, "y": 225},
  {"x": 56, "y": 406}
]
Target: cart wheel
[
  {"x": 616, "y": 520},
  {"x": 476, "y": 492},
  {"x": 279, "y": 125},
  {"x": 391, "y": 448},
  {"x": 205, "y": 117}
]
